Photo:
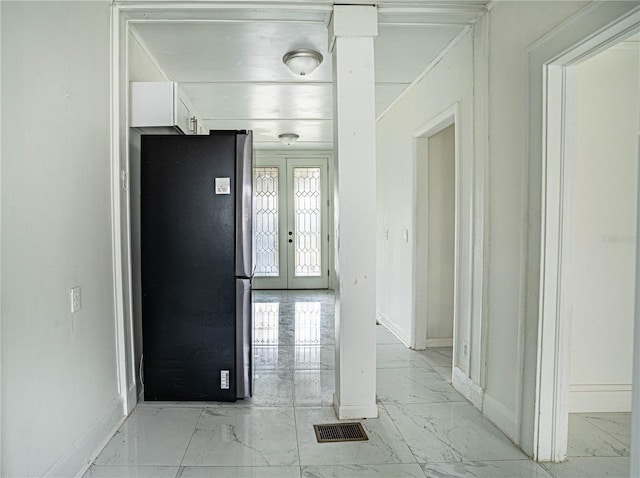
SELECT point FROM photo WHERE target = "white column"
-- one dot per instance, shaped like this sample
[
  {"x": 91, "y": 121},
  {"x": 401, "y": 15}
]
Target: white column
[{"x": 351, "y": 35}]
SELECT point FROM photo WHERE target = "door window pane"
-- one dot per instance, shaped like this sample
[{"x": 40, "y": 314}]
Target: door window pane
[
  {"x": 307, "y": 213},
  {"x": 265, "y": 222}
]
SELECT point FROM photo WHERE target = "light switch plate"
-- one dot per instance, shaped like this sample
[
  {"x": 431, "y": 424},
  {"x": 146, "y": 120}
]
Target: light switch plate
[{"x": 74, "y": 297}]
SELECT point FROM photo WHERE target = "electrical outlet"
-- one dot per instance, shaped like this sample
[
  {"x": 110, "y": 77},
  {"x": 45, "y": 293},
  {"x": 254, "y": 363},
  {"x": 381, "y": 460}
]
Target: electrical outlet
[
  {"x": 465, "y": 349},
  {"x": 405, "y": 234},
  {"x": 74, "y": 297}
]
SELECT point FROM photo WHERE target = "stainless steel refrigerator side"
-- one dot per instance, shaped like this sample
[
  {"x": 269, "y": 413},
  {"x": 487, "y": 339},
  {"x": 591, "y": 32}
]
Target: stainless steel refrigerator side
[
  {"x": 244, "y": 204},
  {"x": 243, "y": 338},
  {"x": 244, "y": 263}
]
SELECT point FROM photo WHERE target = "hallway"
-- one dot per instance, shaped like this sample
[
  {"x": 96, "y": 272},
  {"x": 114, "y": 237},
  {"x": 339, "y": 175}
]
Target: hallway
[{"x": 425, "y": 428}]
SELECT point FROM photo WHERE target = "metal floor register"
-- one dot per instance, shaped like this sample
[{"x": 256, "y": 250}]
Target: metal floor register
[{"x": 337, "y": 432}]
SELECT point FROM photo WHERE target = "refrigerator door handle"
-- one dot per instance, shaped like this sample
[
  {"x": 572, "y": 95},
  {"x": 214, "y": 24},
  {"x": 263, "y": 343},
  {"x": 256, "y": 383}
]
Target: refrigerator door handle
[{"x": 244, "y": 204}]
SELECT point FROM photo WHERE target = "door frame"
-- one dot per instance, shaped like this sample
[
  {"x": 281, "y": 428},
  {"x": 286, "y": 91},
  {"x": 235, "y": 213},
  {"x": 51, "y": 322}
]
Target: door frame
[
  {"x": 554, "y": 57},
  {"x": 419, "y": 340}
]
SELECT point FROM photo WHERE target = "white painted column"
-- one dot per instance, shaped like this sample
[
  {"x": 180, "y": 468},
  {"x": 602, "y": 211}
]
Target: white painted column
[{"x": 351, "y": 35}]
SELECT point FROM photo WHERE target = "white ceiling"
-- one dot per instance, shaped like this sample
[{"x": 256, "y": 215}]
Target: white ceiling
[{"x": 228, "y": 61}]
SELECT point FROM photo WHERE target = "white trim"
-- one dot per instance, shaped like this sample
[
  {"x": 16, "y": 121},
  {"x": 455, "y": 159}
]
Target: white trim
[
  {"x": 439, "y": 342},
  {"x": 395, "y": 329},
  {"x": 115, "y": 210},
  {"x": 593, "y": 29},
  {"x": 132, "y": 394},
  {"x": 556, "y": 295},
  {"x": 128, "y": 270},
  {"x": 500, "y": 415},
  {"x": 354, "y": 412},
  {"x": 77, "y": 459},
  {"x": 468, "y": 388},
  {"x": 417, "y": 338},
  {"x": 481, "y": 238},
  {"x": 599, "y": 398},
  {"x": 428, "y": 69},
  {"x": 212, "y": 5}
]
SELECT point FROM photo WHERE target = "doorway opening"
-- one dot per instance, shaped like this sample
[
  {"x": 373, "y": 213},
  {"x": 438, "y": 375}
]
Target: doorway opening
[
  {"x": 435, "y": 243},
  {"x": 601, "y": 279},
  {"x": 589, "y": 251}
]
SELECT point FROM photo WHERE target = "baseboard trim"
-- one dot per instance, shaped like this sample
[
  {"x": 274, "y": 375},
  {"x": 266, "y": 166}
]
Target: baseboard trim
[
  {"x": 468, "y": 388},
  {"x": 436, "y": 342},
  {"x": 354, "y": 412},
  {"x": 132, "y": 396},
  {"x": 394, "y": 328},
  {"x": 500, "y": 416},
  {"x": 77, "y": 460},
  {"x": 599, "y": 398}
]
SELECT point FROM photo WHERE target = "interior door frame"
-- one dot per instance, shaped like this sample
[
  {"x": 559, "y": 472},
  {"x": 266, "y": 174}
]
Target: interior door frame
[
  {"x": 279, "y": 159},
  {"x": 421, "y": 138},
  {"x": 551, "y": 409}
]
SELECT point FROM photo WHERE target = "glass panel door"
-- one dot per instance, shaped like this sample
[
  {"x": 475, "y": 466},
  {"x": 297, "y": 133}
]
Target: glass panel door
[
  {"x": 267, "y": 247},
  {"x": 270, "y": 224},
  {"x": 307, "y": 224},
  {"x": 290, "y": 224}
]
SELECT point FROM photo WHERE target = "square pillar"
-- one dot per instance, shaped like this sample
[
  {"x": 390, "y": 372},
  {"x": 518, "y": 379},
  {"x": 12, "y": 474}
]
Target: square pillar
[{"x": 351, "y": 35}]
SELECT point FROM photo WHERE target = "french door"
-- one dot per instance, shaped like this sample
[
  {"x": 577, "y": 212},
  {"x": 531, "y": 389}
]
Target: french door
[{"x": 290, "y": 231}]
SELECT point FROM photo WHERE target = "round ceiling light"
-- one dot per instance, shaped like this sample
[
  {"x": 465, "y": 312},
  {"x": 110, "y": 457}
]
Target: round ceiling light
[
  {"x": 303, "y": 61},
  {"x": 288, "y": 138}
]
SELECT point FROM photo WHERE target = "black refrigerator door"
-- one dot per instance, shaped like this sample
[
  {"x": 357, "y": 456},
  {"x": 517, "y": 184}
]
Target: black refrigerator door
[{"x": 188, "y": 267}]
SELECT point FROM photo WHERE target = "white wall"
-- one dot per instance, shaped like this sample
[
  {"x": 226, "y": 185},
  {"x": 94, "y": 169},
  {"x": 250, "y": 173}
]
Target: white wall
[
  {"x": 452, "y": 78},
  {"x": 440, "y": 190},
  {"x": 514, "y": 27},
  {"x": 59, "y": 382},
  {"x": 487, "y": 74},
  {"x": 608, "y": 101}
]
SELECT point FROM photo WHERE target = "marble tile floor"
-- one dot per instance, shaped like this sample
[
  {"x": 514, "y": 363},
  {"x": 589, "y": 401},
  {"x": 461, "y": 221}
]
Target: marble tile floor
[{"x": 425, "y": 428}]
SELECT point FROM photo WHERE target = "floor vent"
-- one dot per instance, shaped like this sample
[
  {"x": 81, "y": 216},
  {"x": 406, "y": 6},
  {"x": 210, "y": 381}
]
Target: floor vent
[{"x": 335, "y": 432}]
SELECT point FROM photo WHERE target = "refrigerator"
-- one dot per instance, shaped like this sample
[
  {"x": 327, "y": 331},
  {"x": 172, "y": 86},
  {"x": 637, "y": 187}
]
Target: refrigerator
[{"x": 196, "y": 213}]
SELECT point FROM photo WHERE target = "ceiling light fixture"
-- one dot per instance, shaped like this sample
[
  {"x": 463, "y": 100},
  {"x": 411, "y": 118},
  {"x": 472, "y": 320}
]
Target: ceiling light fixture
[
  {"x": 303, "y": 61},
  {"x": 288, "y": 138}
]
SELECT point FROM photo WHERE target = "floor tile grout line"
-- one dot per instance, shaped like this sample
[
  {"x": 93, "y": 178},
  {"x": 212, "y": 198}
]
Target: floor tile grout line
[
  {"x": 393, "y": 422},
  {"x": 624, "y": 445},
  {"x": 600, "y": 428},
  {"x": 195, "y": 428},
  {"x": 295, "y": 424}
]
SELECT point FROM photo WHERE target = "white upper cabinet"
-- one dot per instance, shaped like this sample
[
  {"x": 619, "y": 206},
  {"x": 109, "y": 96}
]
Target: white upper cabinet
[{"x": 163, "y": 107}]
